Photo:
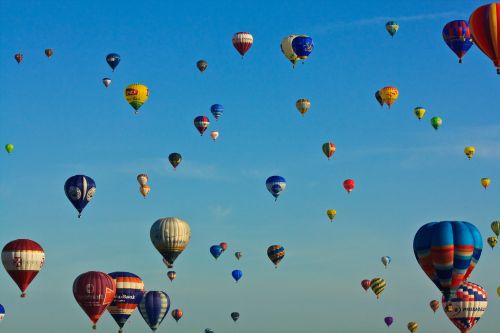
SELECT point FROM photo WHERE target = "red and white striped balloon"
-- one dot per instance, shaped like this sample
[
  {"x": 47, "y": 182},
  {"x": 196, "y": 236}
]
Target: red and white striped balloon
[{"x": 242, "y": 42}]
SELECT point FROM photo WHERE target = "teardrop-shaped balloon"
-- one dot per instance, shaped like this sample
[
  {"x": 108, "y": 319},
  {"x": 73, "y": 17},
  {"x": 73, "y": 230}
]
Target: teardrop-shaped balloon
[
  {"x": 419, "y": 112},
  {"x": 378, "y": 286},
  {"x": 492, "y": 241},
  {"x": 237, "y": 275},
  {"x": 144, "y": 190},
  {"x": 216, "y": 251},
  {"x": 154, "y": 307},
  {"x": 242, "y": 42},
  {"x": 275, "y": 185},
  {"x": 349, "y": 185},
  {"x": 302, "y": 45},
  {"x": 171, "y": 275},
  {"x": 456, "y": 35},
  {"x": 49, "y": 53},
  {"x": 9, "y": 147},
  {"x": 329, "y": 149},
  {"x": 201, "y": 123},
  {"x": 287, "y": 49},
  {"x": 412, "y": 326},
  {"x": 217, "y": 110},
  {"x": 175, "y": 159},
  {"x": 485, "y": 182},
  {"x": 106, "y": 81},
  {"x": 23, "y": 259},
  {"x": 238, "y": 255},
  {"x": 366, "y": 284},
  {"x": 276, "y": 253},
  {"x": 142, "y": 178},
  {"x": 19, "y": 57},
  {"x": 469, "y": 151},
  {"x": 235, "y": 316},
  {"x": 202, "y": 65},
  {"x": 177, "y": 314},
  {"x": 495, "y": 227},
  {"x": 129, "y": 292},
  {"x": 113, "y": 59},
  {"x": 79, "y": 190},
  {"x": 392, "y": 27},
  {"x": 388, "y": 321},
  {"x": 136, "y": 95},
  {"x": 331, "y": 213},
  {"x": 303, "y": 105},
  {"x": 389, "y": 95},
  {"x": 170, "y": 236},
  {"x": 379, "y": 98},
  {"x": 214, "y": 135},
  {"x": 436, "y": 122},
  {"x": 386, "y": 260},
  {"x": 434, "y": 304},
  {"x": 224, "y": 246}
]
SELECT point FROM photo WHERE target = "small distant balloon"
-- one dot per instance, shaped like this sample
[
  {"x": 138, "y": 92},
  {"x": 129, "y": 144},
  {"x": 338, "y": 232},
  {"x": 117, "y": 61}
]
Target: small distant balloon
[
  {"x": 216, "y": 251},
  {"x": 456, "y": 35},
  {"x": 485, "y": 182},
  {"x": 331, "y": 213},
  {"x": 492, "y": 241},
  {"x": 2, "y": 312},
  {"x": 142, "y": 178},
  {"x": 237, "y": 274},
  {"x": 9, "y": 147},
  {"x": 171, "y": 275},
  {"x": 235, "y": 316},
  {"x": 436, "y": 122},
  {"x": 217, "y": 110},
  {"x": 349, "y": 185},
  {"x": 136, "y": 95},
  {"x": 434, "y": 304},
  {"x": 389, "y": 95},
  {"x": 175, "y": 159},
  {"x": 303, "y": 105},
  {"x": 392, "y": 27},
  {"x": 495, "y": 227},
  {"x": 378, "y": 286},
  {"x": 49, "y": 53},
  {"x": 379, "y": 98},
  {"x": 201, "y": 123},
  {"x": 214, "y": 135},
  {"x": 113, "y": 60},
  {"x": 202, "y": 65},
  {"x": 366, "y": 284},
  {"x": 177, "y": 314},
  {"x": 386, "y": 260},
  {"x": 275, "y": 185},
  {"x": 19, "y": 57},
  {"x": 242, "y": 42},
  {"x": 238, "y": 255},
  {"x": 106, "y": 81},
  {"x": 412, "y": 327},
  {"x": 388, "y": 321},
  {"x": 469, "y": 151},
  {"x": 224, "y": 246},
  {"x": 144, "y": 190},
  {"x": 79, "y": 190},
  {"x": 276, "y": 253},
  {"x": 329, "y": 149},
  {"x": 419, "y": 112}
]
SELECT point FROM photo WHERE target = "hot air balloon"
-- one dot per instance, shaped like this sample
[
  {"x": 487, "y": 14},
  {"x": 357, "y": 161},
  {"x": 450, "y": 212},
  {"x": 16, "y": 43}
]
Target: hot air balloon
[
  {"x": 303, "y": 105},
  {"x": 498, "y": 291},
  {"x": 136, "y": 95},
  {"x": 170, "y": 236},
  {"x": 235, "y": 316},
  {"x": 214, "y": 135},
  {"x": 378, "y": 285},
  {"x": 202, "y": 65},
  {"x": 237, "y": 274},
  {"x": 495, "y": 227},
  {"x": 287, "y": 49},
  {"x": 106, "y": 81},
  {"x": 275, "y": 185},
  {"x": 23, "y": 259},
  {"x": 208, "y": 330},
  {"x": 201, "y": 123},
  {"x": 223, "y": 245},
  {"x": 142, "y": 178},
  {"x": 79, "y": 189},
  {"x": 392, "y": 27},
  {"x": 412, "y": 326},
  {"x": 469, "y": 151},
  {"x": 154, "y": 307},
  {"x": 328, "y": 149},
  {"x": 434, "y": 304},
  {"x": 447, "y": 251},
  {"x": 436, "y": 122},
  {"x": 386, "y": 260},
  {"x": 485, "y": 182},
  {"x": 492, "y": 241},
  {"x": 238, "y": 255},
  {"x": 366, "y": 284},
  {"x": 388, "y": 321},
  {"x": 2, "y": 312},
  {"x": 379, "y": 98},
  {"x": 19, "y": 57},
  {"x": 466, "y": 306},
  {"x": 113, "y": 60},
  {"x": 94, "y": 292},
  {"x": 216, "y": 251},
  {"x": 331, "y": 213},
  {"x": 9, "y": 147},
  {"x": 484, "y": 24},
  {"x": 49, "y": 53},
  {"x": 217, "y": 110},
  {"x": 349, "y": 185},
  {"x": 389, "y": 95},
  {"x": 171, "y": 275},
  {"x": 302, "y": 45},
  {"x": 177, "y": 314},
  {"x": 419, "y": 112},
  {"x": 242, "y": 42},
  {"x": 275, "y": 253},
  {"x": 457, "y": 36},
  {"x": 129, "y": 292},
  {"x": 175, "y": 159},
  {"x": 144, "y": 190}
]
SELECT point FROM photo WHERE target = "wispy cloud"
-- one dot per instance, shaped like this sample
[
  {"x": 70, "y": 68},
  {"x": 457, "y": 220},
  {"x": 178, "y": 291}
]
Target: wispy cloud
[{"x": 220, "y": 211}]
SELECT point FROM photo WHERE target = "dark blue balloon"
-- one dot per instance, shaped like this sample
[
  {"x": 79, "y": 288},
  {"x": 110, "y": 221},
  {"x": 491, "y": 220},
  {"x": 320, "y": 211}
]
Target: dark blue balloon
[
  {"x": 237, "y": 274},
  {"x": 302, "y": 46},
  {"x": 113, "y": 59},
  {"x": 216, "y": 250},
  {"x": 154, "y": 307},
  {"x": 217, "y": 110},
  {"x": 80, "y": 190},
  {"x": 208, "y": 330}
]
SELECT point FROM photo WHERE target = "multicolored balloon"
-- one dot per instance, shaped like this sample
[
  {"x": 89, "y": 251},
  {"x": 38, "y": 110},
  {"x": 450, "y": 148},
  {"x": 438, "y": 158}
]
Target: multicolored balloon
[
  {"x": 171, "y": 275},
  {"x": 106, "y": 81},
  {"x": 94, "y": 292},
  {"x": 242, "y": 42},
  {"x": 485, "y": 182},
  {"x": 236, "y": 274},
  {"x": 177, "y": 314},
  {"x": 349, "y": 185},
  {"x": 275, "y": 185},
  {"x": 331, "y": 213},
  {"x": 170, "y": 236},
  {"x": 389, "y": 95},
  {"x": 469, "y": 151},
  {"x": 388, "y": 321},
  {"x": 79, "y": 190},
  {"x": 457, "y": 36},
  {"x": 144, "y": 190},
  {"x": 216, "y": 251},
  {"x": 113, "y": 59},
  {"x": 329, "y": 149},
  {"x": 136, "y": 95},
  {"x": 436, "y": 122},
  {"x": 434, "y": 304},
  {"x": 392, "y": 27},
  {"x": 154, "y": 307},
  {"x": 129, "y": 292},
  {"x": 275, "y": 253},
  {"x": 484, "y": 26},
  {"x": 419, "y": 112},
  {"x": 49, "y": 53},
  {"x": 23, "y": 259},
  {"x": 142, "y": 178},
  {"x": 448, "y": 251},
  {"x": 302, "y": 46},
  {"x": 412, "y": 326},
  {"x": 238, "y": 255},
  {"x": 466, "y": 306},
  {"x": 366, "y": 284},
  {"x": 495, "y": 227},
  {"x": 303, "y": 105},
  {"x": 19, "y": 57},
  {"x": 235, "y": 316},
  {"x": 9, "y": 148},
  {"x": 2, "y": 312},
  {"x": 217, "y": 110},
  {"x": 492, "y": 241},
  {"x": 378, "y": 286},
  {"x": 201, "y": 123},
  {"x": 175, "y": 159},
  {"x": 202, "y": 65},
  {"x": 386, "y": 260}
]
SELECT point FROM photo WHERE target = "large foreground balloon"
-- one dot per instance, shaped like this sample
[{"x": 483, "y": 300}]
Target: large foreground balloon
[
  {"x": 275, "y": 185},
  {"x": 216, "y": 251},
  {"x": 154, "y": 307},
  {"x": 484, "y": 24},
  {"x": 23, "y": 259},
  {"x": 242, "y": 42},
  {"x": 388, "y": 321},
  {"x": 275, "y": 253},
  {"x": 201, "y": 123},
  {"x": 389, "y": 95},
  {"x": 79, "y": 189},
  {"x": 303, "y": 105},
  {"x": 448, "y": 251},
  {"x": 113, "y": 59},
  {"x": 392, "y": 27},
  {"x": 136, "y": 95},
  {"x": 94, "y": 292},
  {"x": 495, "y": 227},
  {"x": 457, "y": 36},
  {"x": 170, "y": 236},
  {"x": 235, "y": 316},
  {"x": 175, "y": 159},
  {"x": 378, "y": 286},
  {"x": 466, "y": 306},
  {"x": 217, "y": 110},
  {"x": 202, "y": 65},
  {"x": 129, "y": 292}
]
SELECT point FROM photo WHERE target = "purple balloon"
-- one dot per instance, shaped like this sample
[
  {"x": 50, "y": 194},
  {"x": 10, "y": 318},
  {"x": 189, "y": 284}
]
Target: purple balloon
[{"x": 388, "y": 321}]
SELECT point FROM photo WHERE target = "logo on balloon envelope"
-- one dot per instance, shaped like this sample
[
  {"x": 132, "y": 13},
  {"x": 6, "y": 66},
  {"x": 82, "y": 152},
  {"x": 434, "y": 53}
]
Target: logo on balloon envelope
[{"x": 131, "y": 92}]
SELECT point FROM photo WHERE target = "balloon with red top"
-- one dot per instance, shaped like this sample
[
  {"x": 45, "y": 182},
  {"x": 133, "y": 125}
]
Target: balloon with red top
[
  {"x": 242, "y": 42},
  {"x": 349, "y": 185}
]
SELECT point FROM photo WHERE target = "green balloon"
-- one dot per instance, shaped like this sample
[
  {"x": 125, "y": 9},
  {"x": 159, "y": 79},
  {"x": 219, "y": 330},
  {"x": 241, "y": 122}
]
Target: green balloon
[
  {"x": 436, "y": 122},
  {"x": 9, "y": 147},
  {"x": 495, "y": 226}
]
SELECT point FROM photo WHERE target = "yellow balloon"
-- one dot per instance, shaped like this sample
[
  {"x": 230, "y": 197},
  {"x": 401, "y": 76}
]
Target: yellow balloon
[
  {"x": 389, "y": 95},
  {"x": 485, "y": 182},
  {"x": 469, "y": 151},
  {"x": 303, "y": 105},
  {"x": 412, "y": 326},
  {"x": 331, "y": 214},
  {"x": 144, "y": 189},
  {"x": 492, "y": 241},
  {"x": 419, "y": 112},
  {"x": 498, "y": 291},
  {"x": 136, "y": 95}
]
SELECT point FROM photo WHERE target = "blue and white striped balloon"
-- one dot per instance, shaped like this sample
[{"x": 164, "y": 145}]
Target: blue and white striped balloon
[
  {"x": 154, "y": 307},
  {"x": 275, "y": 185},
  {"x": 217, "y": 110}
]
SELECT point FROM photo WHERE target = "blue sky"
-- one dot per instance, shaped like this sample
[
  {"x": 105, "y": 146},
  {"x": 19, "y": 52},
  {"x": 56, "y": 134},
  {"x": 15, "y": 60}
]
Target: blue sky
[{"x": 64, "y": 122}]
